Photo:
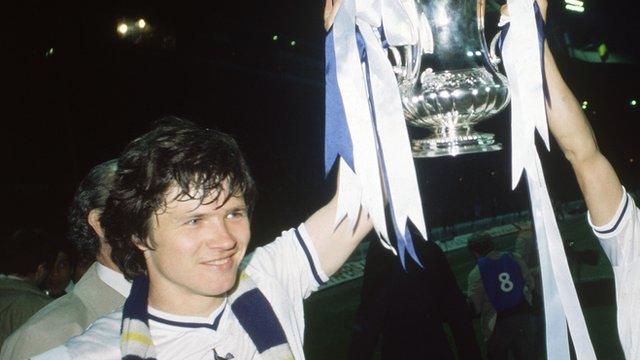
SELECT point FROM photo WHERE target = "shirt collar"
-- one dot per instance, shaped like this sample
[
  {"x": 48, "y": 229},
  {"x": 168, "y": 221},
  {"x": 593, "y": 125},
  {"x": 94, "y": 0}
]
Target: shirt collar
[
  {"x": 114, "y": 279},
  {"x": 171, "y": 320}
]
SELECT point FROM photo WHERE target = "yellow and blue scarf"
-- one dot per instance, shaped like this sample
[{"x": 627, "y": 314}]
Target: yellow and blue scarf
[{"x": 248, "y": 304}]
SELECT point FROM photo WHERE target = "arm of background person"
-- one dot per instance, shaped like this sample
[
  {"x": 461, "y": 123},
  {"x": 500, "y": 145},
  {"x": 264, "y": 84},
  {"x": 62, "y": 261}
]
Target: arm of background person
[{"x": 596, "y": 177}]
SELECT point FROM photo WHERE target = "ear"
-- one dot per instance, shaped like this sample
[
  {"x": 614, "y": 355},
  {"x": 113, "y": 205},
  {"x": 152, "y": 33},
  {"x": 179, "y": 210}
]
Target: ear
[
  {"x": 141, "y": 245},
  {"x": 94, "y": 221}
]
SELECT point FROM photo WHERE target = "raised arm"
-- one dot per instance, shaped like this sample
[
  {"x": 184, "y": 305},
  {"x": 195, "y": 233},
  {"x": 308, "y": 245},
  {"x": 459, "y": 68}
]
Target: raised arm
[
  {"x": 598, "y": 181},
  {"x": 334, "y": 247}
]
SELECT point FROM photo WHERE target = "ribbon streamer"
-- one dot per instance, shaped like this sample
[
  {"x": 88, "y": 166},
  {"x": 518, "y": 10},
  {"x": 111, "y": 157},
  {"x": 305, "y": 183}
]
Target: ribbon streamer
[
  {"x": 365, "y": 126},
  {"x": 523, "y": 48}
]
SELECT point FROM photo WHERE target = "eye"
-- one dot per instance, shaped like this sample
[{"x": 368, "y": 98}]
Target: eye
[
  {"x": 193, "y": 221},
  {"x": 236, "y": 214}
]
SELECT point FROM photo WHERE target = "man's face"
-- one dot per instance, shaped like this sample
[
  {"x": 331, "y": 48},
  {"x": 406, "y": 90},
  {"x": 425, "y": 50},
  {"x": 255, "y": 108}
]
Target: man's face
[{"x": 197, "y": 248}]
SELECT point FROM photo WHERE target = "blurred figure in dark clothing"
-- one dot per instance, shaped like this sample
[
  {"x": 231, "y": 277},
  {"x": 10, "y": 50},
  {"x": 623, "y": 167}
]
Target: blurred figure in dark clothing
[
  {"x": 27, "y": 259},
  {"x": 499, "y": 287},
  {"x": 409, "y": 308}
]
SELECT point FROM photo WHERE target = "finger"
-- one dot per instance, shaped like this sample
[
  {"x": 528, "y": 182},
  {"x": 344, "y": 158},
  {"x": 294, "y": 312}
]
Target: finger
[
  {"x": 330, "y": 11},
  {"x": 504, "y": 10}
]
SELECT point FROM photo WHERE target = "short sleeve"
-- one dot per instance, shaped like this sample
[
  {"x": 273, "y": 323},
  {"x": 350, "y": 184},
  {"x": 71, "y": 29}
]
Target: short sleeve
[
  {"x": 620, "y": 237},
  {"x": 291, "y": 261}
]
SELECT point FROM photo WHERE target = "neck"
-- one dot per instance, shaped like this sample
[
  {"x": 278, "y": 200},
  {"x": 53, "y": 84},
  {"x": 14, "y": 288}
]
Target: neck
[
  {"x": 182, "y": 303},
  {"x": 107, "y": 262}
]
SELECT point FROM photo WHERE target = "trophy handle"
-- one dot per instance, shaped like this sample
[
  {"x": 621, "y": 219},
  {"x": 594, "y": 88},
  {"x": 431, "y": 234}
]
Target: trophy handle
[{"x": 493, "y": 51}]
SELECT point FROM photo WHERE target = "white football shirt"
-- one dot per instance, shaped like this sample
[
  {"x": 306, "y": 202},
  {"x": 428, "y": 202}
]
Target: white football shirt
[{"x": 620, "y": 240}]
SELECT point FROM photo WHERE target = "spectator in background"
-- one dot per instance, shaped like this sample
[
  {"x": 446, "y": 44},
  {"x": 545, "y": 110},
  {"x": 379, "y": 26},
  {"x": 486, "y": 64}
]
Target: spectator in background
[
  {"x": 59, "y": 281},
  {"x": 500, "y": 290},
  {"x": 101, "y": 289},
  {"x": 409, "y": 308},
  {"x": 28, "y": 256}
]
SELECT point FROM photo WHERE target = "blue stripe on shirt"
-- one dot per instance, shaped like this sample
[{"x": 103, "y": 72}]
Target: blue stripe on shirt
[
  {"x": 212, "y": 326},
  {"x": 314, "y": 271},
  {"x": 615, "y": 226}
]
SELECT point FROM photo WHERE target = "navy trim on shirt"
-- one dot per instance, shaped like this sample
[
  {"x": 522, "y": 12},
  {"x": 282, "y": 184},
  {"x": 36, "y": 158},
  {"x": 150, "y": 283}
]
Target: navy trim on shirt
[
  {"x": 212, "y": 326},
  {"x": 309, "y": 258},
  {"x": 615, "y": 226}
]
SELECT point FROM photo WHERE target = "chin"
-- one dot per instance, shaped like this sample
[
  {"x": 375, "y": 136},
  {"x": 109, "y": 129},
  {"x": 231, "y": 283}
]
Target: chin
[{"x": 221, "y": 285}]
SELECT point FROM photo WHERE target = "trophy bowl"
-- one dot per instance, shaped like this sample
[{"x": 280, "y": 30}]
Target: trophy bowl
[{"x": 449, "y": 81}]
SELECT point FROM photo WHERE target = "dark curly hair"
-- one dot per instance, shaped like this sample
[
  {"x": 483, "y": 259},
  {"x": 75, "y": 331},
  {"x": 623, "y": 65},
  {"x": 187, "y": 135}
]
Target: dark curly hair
[
  {"x": 175, "y": 153},
  {"x": 92, "y": 194},
  {"x": 25, "y": 250}
]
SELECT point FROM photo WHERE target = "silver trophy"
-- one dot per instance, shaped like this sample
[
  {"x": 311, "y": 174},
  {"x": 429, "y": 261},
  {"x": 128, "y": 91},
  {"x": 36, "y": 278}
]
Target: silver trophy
[{"x": 449, "y": 80}]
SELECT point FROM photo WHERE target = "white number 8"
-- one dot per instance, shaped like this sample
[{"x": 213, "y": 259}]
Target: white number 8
[{"x": 506, "y": 285}]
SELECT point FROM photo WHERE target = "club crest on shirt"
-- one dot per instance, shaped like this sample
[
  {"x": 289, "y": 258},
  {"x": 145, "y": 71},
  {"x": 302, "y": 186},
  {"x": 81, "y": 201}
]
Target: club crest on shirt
[{"x": 229, "y": 356}]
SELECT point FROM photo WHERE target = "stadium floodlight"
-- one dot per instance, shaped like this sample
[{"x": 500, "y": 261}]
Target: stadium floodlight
[
  {"x": 141, "y": 23},
  {"x": 122, "y": 29}
]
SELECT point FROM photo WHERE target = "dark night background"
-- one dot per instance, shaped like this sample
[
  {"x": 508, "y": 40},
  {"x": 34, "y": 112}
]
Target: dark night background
[{"x": 218, "y": 64}]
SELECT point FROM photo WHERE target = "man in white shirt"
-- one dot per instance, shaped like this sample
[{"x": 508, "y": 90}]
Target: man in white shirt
[
  {"x": 178, "y": 223},
  {"x": 101, "y": 289},
  {"x": 613, "y": 215}
]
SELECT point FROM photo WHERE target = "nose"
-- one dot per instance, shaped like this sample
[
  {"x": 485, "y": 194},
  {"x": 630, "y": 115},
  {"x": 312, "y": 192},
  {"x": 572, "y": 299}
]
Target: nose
[{"x": 221, "y": 238}]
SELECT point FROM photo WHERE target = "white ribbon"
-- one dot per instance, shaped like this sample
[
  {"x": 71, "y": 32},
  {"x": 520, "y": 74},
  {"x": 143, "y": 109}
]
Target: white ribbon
[
  {"x": 382, "y": 157},
  {"x": 522, "y": 61}
]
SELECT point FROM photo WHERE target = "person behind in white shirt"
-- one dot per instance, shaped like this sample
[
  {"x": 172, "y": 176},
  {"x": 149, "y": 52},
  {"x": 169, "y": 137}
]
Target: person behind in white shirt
[
  {"x": 178, "y": 223},
  {"x": 101, "y": 289},
  {"x": 613, "y": 215}
]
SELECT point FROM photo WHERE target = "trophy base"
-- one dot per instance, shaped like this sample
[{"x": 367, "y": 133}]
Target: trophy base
[{"x": 471, "y": 143}]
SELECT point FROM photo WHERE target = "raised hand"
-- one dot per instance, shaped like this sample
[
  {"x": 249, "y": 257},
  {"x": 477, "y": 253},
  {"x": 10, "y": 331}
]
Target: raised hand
[{"x": 330, "y": 10}]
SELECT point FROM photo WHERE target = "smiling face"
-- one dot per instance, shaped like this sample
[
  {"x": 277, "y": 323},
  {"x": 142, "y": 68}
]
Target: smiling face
[{"x": 197, "y": 248}]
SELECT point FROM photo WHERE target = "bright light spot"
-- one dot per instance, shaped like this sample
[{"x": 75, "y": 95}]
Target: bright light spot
[
  {"x": 585, "y": 104},
  {"x": 49, "y": 52},
  {"x": 478, "y": 53},
  {"x": 469, "y": 53},
  {"x": 292, "y": 43},
  {"x": 574, "y": 2},
  {"x": 142, "y": 23},
  {"x": 575, "y": 8},
  {"x": 445, "y": 94},
  {"x": 474, "y": 91},
  {"x": 274, "y": 38},
  {"x": 633, "y": 102},
  {"x": 487, "y": 89},
  {"x": 632, "y": 160},
  {"x": 122, "y": 28}
]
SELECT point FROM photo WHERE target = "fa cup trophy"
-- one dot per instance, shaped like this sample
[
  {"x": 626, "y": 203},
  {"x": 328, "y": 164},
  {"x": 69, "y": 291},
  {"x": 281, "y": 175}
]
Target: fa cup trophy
[{"x": 449, "y": 81}]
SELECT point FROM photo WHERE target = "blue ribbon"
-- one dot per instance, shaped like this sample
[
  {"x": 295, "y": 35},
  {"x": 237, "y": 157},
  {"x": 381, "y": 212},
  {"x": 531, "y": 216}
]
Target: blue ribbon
[
  {"x": 338, "y": 141},
  {"x": 337, "y": 138},
  {"x": 541, "y": 36},
  {"x": 404, "y": 240}
]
